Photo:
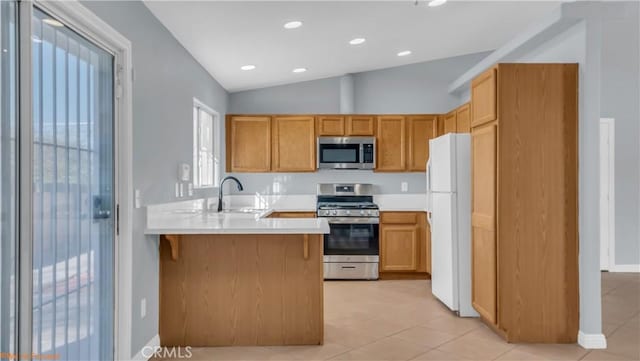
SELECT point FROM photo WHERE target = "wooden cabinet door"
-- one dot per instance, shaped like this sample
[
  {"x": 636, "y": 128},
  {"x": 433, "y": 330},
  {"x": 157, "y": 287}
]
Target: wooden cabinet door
[
  {"x": 250, "y": 144},
  {"x": 293, "y": 215},
  {"x": 330, "y": 125},
  {"x": 484, "y": 98},
  {"x": 399, "y": 247},
  {"x": 363, "y": 125},
  {"x": 463, "y": 119},
  {"x": 391, "y": 144},
  {"x": 419, "y": 130},
  {"x": 449, "y": 125},
  {"x": 483, "y": 221},
  {"x": 440, "y": 125},
  {"x": 294, "y": 143}
]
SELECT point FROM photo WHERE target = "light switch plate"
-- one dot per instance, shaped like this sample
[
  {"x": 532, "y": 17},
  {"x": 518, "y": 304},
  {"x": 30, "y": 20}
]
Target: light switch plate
[{"x": 404, "y": 186}]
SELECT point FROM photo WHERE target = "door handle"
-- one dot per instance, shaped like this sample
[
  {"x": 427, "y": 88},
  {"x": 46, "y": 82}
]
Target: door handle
[{"x": 99, "y": 209}]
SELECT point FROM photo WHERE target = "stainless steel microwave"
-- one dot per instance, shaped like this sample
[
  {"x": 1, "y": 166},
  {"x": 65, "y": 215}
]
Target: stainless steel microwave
[{"x": 346, "y": 152}]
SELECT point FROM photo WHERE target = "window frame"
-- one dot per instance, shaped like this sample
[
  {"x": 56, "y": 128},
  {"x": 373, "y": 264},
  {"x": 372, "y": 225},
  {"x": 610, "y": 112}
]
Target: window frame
[{"x": 198, "y": 106}]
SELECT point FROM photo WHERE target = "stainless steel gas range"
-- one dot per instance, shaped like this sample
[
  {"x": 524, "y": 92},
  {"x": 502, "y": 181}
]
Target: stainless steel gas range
[{"x": 351, "y": 249}]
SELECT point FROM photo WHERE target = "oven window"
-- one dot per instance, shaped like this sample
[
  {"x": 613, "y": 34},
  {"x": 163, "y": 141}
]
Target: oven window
[
  {"x": 351, "y": 239},
  {"x": 339, "y": 153}
]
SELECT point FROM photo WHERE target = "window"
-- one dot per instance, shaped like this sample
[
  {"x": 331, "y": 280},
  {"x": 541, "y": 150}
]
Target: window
[{"x": 206, "y": 147}]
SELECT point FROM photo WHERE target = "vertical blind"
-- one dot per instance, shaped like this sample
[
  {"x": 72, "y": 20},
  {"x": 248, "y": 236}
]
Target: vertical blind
[
  {"x": 72, "y": 184},
  {"x": 8, "y": 176}
]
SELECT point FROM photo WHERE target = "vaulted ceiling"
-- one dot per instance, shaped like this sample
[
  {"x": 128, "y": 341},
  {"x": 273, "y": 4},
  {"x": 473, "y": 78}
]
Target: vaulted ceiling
[{"x": 226, "y": 35}]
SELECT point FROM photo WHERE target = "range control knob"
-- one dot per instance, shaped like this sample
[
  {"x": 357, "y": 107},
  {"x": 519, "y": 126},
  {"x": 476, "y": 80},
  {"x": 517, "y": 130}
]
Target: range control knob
[
  {"x": 334, "y": 212},
  {"x": 362, "y": 213},
  {"x": 348, "y": 212}
]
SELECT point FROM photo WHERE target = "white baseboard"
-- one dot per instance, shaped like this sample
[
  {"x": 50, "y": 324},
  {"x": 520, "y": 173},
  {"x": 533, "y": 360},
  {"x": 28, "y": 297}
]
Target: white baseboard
[
  {"x": 592, "y": 341},
  {"x": 625, "y": 268},
  {"x": 148, "y": 349}
]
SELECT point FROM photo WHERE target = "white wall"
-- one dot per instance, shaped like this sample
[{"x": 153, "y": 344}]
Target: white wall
[
  {"x": 620, "y": 99},
  {"x": 415, "y": 88},
  {"x": 315, "y": 96}
]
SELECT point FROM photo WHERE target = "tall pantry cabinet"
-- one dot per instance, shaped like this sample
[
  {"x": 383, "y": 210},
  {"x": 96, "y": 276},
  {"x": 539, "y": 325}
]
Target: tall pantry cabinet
[{"x": 524, "y": 131}]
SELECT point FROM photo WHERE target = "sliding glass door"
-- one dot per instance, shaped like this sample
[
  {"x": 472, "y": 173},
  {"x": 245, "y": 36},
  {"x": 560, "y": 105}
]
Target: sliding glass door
[
  {"x": 73, "y": 193},
  {"x": 8, "y": 178}
]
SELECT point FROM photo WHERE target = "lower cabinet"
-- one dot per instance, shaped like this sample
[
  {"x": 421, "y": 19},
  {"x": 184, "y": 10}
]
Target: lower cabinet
[
  {"x": 292, "y": 215},
  {"x": 399, "y": 248},
  {"x": 404, "y": 243}
]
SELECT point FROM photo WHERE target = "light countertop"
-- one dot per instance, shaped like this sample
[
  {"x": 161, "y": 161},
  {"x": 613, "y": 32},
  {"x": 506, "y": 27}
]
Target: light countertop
[
  {"x": 191, "y": 221},
  {"x": 251, "y": 212}
]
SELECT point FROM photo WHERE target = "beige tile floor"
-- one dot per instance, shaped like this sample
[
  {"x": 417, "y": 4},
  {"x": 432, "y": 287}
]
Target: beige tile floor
[{"x": 401, "y": 320}]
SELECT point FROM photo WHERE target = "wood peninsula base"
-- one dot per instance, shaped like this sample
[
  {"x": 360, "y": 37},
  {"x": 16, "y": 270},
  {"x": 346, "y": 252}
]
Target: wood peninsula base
[{"x": 249, "y": 289}]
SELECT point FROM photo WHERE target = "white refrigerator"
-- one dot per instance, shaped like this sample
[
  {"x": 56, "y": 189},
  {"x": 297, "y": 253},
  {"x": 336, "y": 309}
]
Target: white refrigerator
[{"x": 449, "y": 201}]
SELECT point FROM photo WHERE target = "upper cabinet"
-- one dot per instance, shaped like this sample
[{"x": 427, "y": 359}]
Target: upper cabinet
[
  {"x": 449, "y": 123},
  {"x": 293, "y": 139},
  {"x": 248, "y": 143},
  {"x": 287, "y": 143},
  {"x": 330, "y": 125},
  {"x": 483, "y": 93},
  {"x": 420, "y": 129},
  {"x": 463, "y": 119},
  {"x": 338, "y": 126},
  {"x": 391, "y": 146},
  {"x": 440, "y": 125},
  {"x": 361, "y": 125}
]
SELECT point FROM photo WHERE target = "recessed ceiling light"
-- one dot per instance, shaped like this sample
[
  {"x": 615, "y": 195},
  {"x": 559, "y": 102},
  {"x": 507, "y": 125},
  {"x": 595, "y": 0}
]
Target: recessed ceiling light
[
  {"x": 293, "y": 24},
  {"x": 248, "y": 67},
  {"x": 53, "y": 22},
  {"x": 357, "y": 41},
  {"x": 299, "y": 70},
  {"x": 434, "y": 3},
  {"x": 404, "y": 53}
]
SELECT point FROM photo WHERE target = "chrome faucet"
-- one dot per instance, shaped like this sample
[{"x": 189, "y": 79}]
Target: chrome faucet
[{"x": 220, "y": 189}]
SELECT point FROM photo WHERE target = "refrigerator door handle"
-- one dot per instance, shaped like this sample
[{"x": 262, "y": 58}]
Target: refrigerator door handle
[
  {"x": 429, "y": 175},
  {"x": 429, "y": 198}
]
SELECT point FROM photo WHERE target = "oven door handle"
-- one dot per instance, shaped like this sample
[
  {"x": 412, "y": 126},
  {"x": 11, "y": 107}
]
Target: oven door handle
[{"x": 353, "y": 220}]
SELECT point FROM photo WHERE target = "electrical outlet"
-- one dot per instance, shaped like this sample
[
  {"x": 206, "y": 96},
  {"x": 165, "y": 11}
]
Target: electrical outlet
[
  {"x": 143, "y": 308},
  {"x": 404, "y": 186}
]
